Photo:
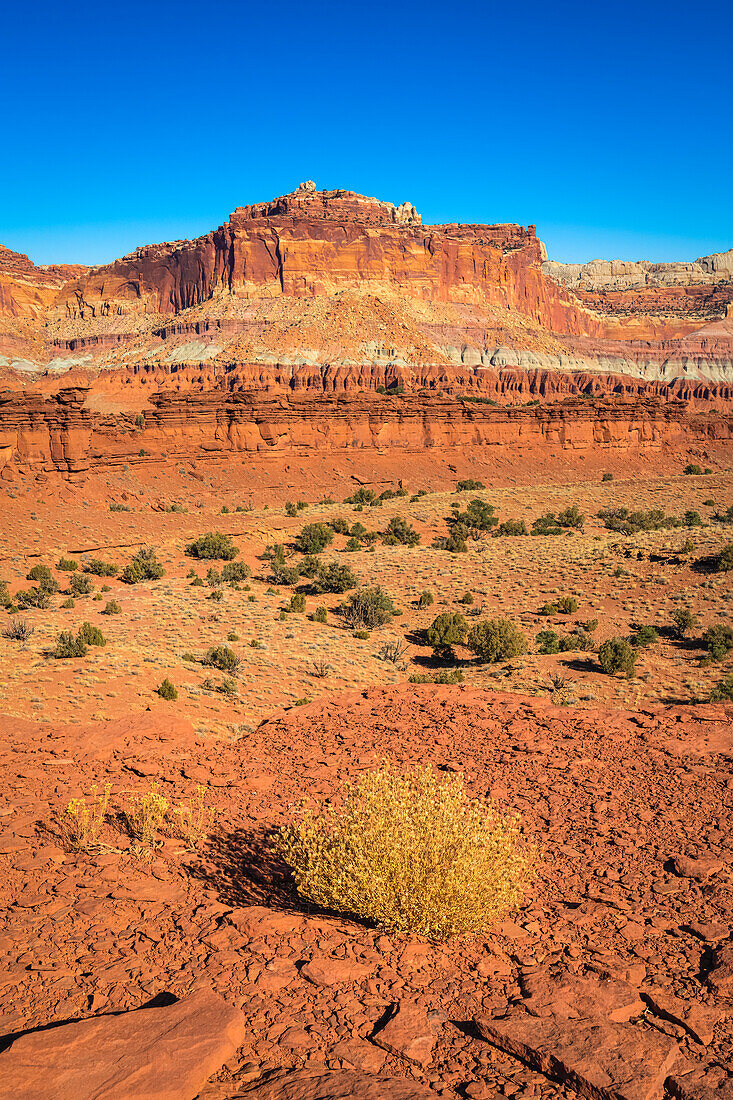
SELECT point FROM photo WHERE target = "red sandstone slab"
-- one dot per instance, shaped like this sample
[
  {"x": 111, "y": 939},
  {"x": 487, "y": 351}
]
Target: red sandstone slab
[
  {"x": 149, "y": 1054},
  {"x": 599, "y": 1059}
]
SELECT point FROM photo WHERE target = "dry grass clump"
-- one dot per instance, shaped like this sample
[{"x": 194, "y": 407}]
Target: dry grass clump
[
  {"x": 195, "y": 819},
  {"x": 145, "y": 814},
  {"x": 83, "y": 821},
  {"x": 411, "y": 852}
]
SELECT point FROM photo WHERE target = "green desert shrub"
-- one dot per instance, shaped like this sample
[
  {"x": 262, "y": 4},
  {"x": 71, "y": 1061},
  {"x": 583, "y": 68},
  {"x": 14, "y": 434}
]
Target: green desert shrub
[
  {"x": 512, "y": 528},
  {"x": 369, "y": 607},
  {"x": 455, "y": 543},
  {"x": 91, "y": 635},
  {"x": 571, "y": 517},
  {"x": 234, "y": 572},
  {"x": 566, "y": 605},
  {"x": 410, "y": 852},
  {"x": 496, "y": 640},
  {"x": 644, "y": 636},
  {"x": 692, "y": 519},
  {"x": 111, "y": 608},
  {"x": 723, "y": 562},
  {"x": 576, "y": 642},
  {"x": 548, "y": 641},
  {"x": 683, "y": 621},
  {"x": 362, "y": 496},
  {"x": 167, "y": 690},
  {"x": 425, "y": 600},
  {"x": 297, "y": 603},
  {"x": 213, "y": 546},
  {"x": 630, "y": 523},
  {"x": 320, "y": 615},
  {"x": 99, "y": 568},
  {"x": 546, "y": 525},
  {"x": 143, "y": 567},
  {"x": 469, "y": 485},
  {"x": 334, "y": 577},
  {"x": 69, "y": 645},
  {"x": 339, "y": 525},
  {"x": 44, "y": 578},
  {"x": 80, "y": 585},
  {"x": 40, "y": 598},
  {"x": 223, "y": 658},
  {"x": 616, "y": 655},
  {"x": 445, "y": 631},
  {"x": 718, "y": 640},
  {"x": 281, "y": 573},
  {"x": 723, "y": 692},
  {"x": 692, "y": 468},
  {"x": 399, "y": 531},
  {"x": 314, "y": 538},
  {"x": 67, "y": 565},
  {"x": 478, "y": 516}
]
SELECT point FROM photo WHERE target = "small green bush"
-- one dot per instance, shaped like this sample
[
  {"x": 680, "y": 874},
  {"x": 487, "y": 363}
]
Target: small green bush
[
  {"x": 512, "y": 528},
  {"x": 91, "y": 635},
  {"x": 40, "y": 598},
  {"x": 143, "y": 567},
  {"x": 297, "y": 603},
  {"x": 718, "y": 640},
  {"x": 469, "y": 485},
  {"x": 566, "y": 605},
  {"x": 644, "y": 636},
  {"x": 571, "y": 517},
  {"x": 320, "y": 615},
  {"x": 167, "y": 690},
  {"x": 334, "y": 577},
  {"x": 425, "y": 600},
  {"x": 723, "y": 562},
  {"x": 67, "y": 565},
  {"x": 111, "y": 608},
  {"x": 616, "y": 655},
  {"x": 314, "y": 538},
  {"x": 723, "y": 692},
  {"x": 548, "y": 641},
  {"x": 99, "y": 568},
  {"x": 213, "y": 546},
  {"x": 607, "y": 477},
  {"x": 445, "y": 631},
  {"x": 234, "y": 572},
  {"x": 68, "y": 645},
  {"x": 400, "y": 531},
  {"x": 44, "y": 578},
  {"x": 223, "y": 658},
  {"x": 496, "y": 640},
  {"x": 80, "y": 585},
  {"x": 683, "y": 621},
  {"x": 369, "y": 607},
  {"x": 692, "y": 468},
  {"x": 339, "y": 525}
]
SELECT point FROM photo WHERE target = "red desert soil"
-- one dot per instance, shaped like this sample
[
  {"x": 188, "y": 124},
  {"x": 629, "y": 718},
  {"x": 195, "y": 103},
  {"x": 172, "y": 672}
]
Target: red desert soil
[{"x": 616, "y": 975}]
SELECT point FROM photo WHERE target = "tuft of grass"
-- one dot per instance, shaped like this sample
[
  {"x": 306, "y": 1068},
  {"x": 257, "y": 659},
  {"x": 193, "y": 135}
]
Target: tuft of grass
[
  {"x": 411, "y": 852},
  {"x": 145, "y": 814},
  {"x": 83, "y": 821},
  {"x": 195, "y": 818}
]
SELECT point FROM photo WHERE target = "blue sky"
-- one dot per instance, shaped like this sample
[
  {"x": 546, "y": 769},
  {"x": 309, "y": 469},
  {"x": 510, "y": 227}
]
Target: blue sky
[{"x": 608, "y": 126}]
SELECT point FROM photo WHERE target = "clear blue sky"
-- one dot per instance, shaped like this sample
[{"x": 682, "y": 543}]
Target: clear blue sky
[{"x": 607, "y": 125}]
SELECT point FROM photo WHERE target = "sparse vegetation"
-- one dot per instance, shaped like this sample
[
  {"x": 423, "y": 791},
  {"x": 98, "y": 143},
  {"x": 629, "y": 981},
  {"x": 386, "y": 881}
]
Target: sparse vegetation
[
  {"x": 167, "y": 690},
  {"x": 445, "y": 631},
  {"x": 314, "y": 538},
  {"x": 496, "y": 640},
  {"x": 143, "y": 567},
  {"x": 144, "y": 814},
  {"x": 369, "y": 607},
  {"x": 410, "y": 852},
  {"x": 683, "y": 621},
  {"x": 99, "y": 568},
  {"x": 213, "y": 546},
  {"x": 223, "y": 658},
  {"x": 195, "y": 818},
  {"x": 91, "y": 635},
  {"x": 616, "y": 655},
  {"x": 82, "y": 823},
  {"x": 718, "y": 640},
  {"x": 69, "y": 645},
  {"x": 18, "y": 630}
]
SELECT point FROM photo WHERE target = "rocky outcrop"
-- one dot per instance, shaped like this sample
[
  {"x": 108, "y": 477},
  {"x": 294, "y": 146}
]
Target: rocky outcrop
[
  {"x": 63, "y": 433},
  {"x": 634, "y": 275}
]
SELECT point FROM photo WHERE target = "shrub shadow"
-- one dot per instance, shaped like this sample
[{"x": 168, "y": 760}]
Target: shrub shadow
[{"x": 244, "y": 869}]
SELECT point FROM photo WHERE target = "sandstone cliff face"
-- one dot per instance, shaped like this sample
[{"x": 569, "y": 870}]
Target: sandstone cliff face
[{"x": 63, "y": 434}]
